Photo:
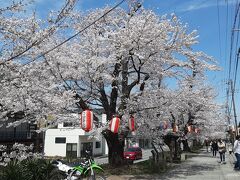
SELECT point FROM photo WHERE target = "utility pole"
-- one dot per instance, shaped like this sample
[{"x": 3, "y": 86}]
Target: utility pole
[
  {"x": 227, "y": 107},
  {"x": 234, "y": 108},
  {"x": 228, "y": 113}
]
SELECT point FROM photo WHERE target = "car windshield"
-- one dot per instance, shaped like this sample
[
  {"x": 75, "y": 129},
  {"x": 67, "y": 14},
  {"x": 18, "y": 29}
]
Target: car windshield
[{"x": 131, "y": 149}]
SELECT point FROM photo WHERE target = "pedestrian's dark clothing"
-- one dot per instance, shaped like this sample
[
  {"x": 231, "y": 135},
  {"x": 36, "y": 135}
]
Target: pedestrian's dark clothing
[{"x": 214, "y": 148}]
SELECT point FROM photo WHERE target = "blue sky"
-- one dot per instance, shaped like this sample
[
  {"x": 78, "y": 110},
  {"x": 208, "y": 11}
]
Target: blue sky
[{"x": 212, "y": 18}]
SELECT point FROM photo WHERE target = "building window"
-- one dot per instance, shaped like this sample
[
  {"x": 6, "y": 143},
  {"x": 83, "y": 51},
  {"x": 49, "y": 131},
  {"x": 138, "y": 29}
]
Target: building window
[
  {"x": 71, "y": 151},
  {"x": 98, "y": 144},
  {"x": 60, "y": 140},
  {"x": 67, "y": 124}
]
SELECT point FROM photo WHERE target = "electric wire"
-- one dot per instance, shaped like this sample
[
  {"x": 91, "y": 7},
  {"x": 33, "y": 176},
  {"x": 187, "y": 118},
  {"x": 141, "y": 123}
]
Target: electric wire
[
  {"x": 232, "y": 41},
  {"x": 76, "y": 34},
  {"x": 236, "y": 68},
  {"x": 219, "y": 37},
  {"x": 225, "y": 65},
  {"x": 236, "y": 57},
  {"x": 226, "y": 36},
  {"x": 219, "y": 30},
  {"x": 236, "y": 52},
  {"x": 79, "y": 32},
  {"x": 234, "y": 73}
]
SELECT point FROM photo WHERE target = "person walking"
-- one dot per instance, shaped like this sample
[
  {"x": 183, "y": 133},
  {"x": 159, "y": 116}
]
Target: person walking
[
  {"x": 214, "y": 148},
  {"x": 210, "y": 144},
  {"x": 206, "y": 144},
  {"x": 230, "y": 147},
  {"x": 221, "y": 150},
  {"x": 236, "y": 148}
]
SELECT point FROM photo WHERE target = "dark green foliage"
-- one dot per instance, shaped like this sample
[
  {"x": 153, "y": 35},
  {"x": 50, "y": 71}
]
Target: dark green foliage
[
  {"x": 30, "y": 169},
  {"x": 12, "y": 171}
]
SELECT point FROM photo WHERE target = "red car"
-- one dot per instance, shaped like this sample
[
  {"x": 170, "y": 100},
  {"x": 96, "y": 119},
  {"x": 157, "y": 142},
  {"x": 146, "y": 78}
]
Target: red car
[{"x": 133, "y": 153}]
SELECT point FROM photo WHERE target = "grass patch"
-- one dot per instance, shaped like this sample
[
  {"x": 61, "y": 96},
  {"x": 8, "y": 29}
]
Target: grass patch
[{"x": 144, "y": 167}]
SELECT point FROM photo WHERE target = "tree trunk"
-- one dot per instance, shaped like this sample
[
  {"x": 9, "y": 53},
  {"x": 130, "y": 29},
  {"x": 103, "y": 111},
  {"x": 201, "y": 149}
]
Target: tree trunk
[
  {"x": 186, "y": 146},
  {"x": 115, "y": 148}
]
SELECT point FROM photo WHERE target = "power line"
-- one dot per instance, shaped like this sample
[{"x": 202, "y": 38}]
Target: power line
[
  {"x": 236, "y": 50},
  {"x": 227, "y": 87},
  {"x": 79, "y": 32},
  {"x": 73, "y": 36},
  {"x": 231, "y": 51},
  {"x": 232, "y": 41},
  {"x": 219, "y": 30},
  {"x": 238, "y": 55},
  {"x": 226, "y": 35},
  {"x": 236, "y": 65},
  {"x": 219, "y": 35}
]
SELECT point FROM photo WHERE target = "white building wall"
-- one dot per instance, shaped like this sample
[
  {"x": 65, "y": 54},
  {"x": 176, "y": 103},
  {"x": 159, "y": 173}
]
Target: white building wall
[
  {"x": 59, "y": 149},
  {"x": 97, "y": 151},
  {"x": 72, "y": 135}
]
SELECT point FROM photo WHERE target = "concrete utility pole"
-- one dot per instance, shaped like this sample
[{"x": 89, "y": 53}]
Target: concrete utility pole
[
  {"x": 227, "y": 108},
  {"x": 234, "y": 109}
]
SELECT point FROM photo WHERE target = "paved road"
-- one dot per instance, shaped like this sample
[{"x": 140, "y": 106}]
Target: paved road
[
  {"x": 201, "y": 167},
  {"x": 146, "y": 154},
  {"x": 204, "y": 167}
]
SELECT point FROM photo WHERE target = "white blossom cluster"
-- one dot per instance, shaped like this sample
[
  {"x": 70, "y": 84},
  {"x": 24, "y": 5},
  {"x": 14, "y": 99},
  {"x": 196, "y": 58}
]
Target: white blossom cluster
[
  {"x": 18, "y": 152},
  {"x": 23, "y": 39}
]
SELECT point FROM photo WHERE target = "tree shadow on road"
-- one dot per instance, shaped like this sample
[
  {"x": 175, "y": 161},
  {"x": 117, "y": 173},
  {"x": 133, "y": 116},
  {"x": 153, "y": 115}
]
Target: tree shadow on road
[
  {"x": 189, "y": 170},
  {"x": 179, "y": 172}
]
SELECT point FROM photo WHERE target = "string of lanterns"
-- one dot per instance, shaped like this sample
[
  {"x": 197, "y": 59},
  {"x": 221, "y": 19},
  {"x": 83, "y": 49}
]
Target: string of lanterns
[{"x": 86, "y": 122}]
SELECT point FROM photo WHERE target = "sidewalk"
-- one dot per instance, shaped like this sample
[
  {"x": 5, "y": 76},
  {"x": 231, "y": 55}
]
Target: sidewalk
[{"x": 201, "y": 167}]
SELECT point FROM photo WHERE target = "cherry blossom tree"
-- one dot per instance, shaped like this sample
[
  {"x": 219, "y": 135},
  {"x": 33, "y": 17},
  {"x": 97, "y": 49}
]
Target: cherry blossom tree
[
  {"x": 23, "y": 39},
  {"x": 182, "y": 106},
  {"x": 122, "y": 57},
  {"x": 119, "y": 64}
]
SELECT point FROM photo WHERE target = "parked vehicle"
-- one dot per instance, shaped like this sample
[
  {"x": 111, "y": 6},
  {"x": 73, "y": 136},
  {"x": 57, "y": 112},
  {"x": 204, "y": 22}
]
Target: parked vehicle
[
  {"x": 87, "y": 168},
  {"x": 133, "y": 153}
]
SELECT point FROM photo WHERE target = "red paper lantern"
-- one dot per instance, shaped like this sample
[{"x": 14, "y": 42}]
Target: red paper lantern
[
  {"x": 86, "y": 120},
  {"x": 131, "y": 123},
  {"x": 114, "y": 124}
]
